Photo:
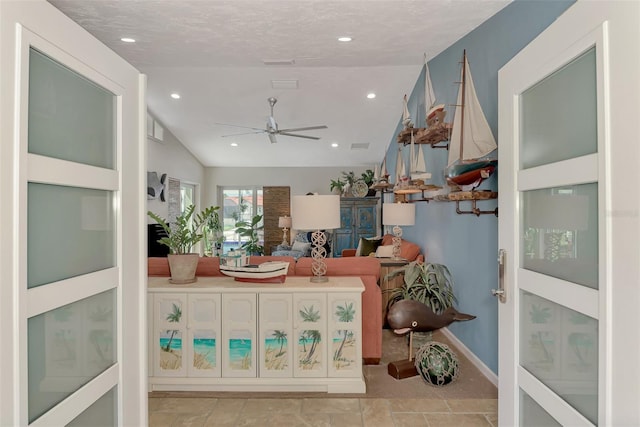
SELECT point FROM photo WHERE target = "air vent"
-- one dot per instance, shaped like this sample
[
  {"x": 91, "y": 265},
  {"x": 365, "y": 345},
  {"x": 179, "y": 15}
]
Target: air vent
[
  {"x": 360, "y": 146},
  {"x": 284, "y": 84},
  {"x": 278, "y": 61}
]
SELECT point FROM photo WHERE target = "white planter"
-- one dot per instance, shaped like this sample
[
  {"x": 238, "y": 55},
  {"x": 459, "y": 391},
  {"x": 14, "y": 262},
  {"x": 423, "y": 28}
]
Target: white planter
[{"x": 183, "y": 268}]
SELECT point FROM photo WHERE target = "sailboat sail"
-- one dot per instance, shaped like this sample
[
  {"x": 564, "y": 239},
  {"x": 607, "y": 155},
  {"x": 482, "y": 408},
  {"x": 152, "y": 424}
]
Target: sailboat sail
[
  {"x": 429, "y": 94},
  {"x": 401, "y": 173},
  {"x": 406, "y": 117},
  {"x": 418, "y": 167},
  {"x": 471, "y": 137}
]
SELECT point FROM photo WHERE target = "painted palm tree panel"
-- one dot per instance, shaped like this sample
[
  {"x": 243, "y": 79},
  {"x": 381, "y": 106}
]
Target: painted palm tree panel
[
  {"x": 204, "y": 349},
  {"x": 275, "y": 350},
  {"x": 171, "y": 341},
  {"x": 309, "y": 340},
  {"x": 240, "y": 343},
  {"x": 343, "y": 340}
]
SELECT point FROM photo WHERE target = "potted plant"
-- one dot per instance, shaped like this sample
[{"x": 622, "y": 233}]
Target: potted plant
[
  {"x": 337, "y": 184},
  {"x": 181, "y": 236},
  {"x": 250, "y": 231},
  {"x": 367, "y": 177},
  {"x": 213, "y": 234},
  {"x": 428, "y": 283}
]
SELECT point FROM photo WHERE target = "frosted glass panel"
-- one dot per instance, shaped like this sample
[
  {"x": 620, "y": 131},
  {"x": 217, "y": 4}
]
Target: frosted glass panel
[
  {"x": 533, "y": 415},
  {"x": 558, "y": 115},
  {"x": 559, "y": 234},
  {"x": 70, "y": 117},
  {"x": 559, "y": 346},
  {"x": 103, "y": 413},
  {"x": 70, "y": 232},
  {"x": 68, "y": 347}
]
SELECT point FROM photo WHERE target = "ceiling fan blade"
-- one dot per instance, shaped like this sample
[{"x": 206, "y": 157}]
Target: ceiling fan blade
[
  {"x": 298, "y": 136},
  {"x": 238, "y": 126},
  {"x": 272, "y": 138},
  {"x": 307, "y": 128},
  {"x": 243, "y": 133}
]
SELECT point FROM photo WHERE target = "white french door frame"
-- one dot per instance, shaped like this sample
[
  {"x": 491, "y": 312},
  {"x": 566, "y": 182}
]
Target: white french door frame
[
  {"x": 612, "y": 27},
  {"x": 26, "y": 24}
]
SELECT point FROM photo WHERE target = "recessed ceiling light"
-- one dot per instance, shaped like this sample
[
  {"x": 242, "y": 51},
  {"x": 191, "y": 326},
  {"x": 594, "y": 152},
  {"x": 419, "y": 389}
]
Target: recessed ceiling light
[
  {"x": 334, "y": 145},
  {"x": 175, "y": 95},
  {"x": 234, "y": 144},
  {"x": 344, "y": 39},
  {"x": 371, "y": 95},
  {"x": 128, "y": 40}
]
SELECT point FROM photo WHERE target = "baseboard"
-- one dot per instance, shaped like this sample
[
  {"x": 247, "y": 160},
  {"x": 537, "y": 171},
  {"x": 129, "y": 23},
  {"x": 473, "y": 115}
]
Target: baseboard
[{"x": 484, "y": 369}]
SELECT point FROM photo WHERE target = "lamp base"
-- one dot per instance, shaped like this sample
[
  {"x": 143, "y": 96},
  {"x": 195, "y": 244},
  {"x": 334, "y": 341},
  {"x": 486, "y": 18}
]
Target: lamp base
[{"x": 319, "y": 279}]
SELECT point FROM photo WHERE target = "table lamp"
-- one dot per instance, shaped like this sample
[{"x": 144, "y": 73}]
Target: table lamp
[
  {"x": 316, "y": 212},
  {"x": 397, "y": 214},
  {"x": 284, "y": 222}
]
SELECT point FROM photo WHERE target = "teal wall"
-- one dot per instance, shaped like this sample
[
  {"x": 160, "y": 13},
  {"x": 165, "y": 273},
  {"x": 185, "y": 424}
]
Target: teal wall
[{"x": 467, "y": 244}]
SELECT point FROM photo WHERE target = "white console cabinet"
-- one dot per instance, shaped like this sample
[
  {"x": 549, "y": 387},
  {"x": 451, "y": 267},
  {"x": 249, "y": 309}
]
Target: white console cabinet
[{"x": 218, "y": 334}]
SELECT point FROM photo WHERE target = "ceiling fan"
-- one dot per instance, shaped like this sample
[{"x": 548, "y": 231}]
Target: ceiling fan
[{"x": 272, "y": 127}]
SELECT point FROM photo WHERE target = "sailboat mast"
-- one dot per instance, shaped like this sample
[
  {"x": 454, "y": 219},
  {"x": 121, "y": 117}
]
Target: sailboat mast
[{"x": 464, "y": 72}]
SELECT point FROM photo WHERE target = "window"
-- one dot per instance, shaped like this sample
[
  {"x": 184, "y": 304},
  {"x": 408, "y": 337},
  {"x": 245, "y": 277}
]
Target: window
[{"x": 239, "y": 204}]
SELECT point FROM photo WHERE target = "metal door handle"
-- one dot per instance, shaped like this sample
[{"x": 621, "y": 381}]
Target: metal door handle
[{"x": 500, "y": 292}]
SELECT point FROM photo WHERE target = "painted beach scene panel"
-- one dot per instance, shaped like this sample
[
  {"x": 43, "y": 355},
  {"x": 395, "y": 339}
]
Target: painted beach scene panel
[
  {"x": 170, "y": 349},
  {"x": 275, "y": 350},
  {"x": 343, "y": 340},
  {"x": 344, "y": 349},
  {"x": 204, "y": 349},
  {"x": 240, "y": 350},
  {"x": 309, "y": 352}
]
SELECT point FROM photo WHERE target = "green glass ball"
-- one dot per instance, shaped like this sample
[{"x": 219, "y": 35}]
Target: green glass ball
[{"x": 437, "y": 364}]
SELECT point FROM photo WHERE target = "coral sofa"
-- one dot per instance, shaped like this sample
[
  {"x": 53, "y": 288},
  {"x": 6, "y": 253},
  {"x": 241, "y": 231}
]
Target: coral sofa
[{"x": 367, "y": 268}]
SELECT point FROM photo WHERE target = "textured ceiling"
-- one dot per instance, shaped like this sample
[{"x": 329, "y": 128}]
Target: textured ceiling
[{"x": 212, "y": 53}]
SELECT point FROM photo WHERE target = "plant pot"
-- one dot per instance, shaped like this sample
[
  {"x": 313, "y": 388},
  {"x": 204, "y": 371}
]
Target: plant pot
[{"x": 183, "y": 268}]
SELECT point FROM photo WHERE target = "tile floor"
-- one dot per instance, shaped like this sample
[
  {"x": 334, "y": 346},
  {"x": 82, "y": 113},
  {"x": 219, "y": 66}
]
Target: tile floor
[
  {"x": 469, "y": 401},
  {"x": 334, "y": 412}
]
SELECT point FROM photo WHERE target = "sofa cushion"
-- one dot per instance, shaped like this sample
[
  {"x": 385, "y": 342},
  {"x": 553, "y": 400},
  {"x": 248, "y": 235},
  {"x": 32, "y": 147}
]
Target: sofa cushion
[
  {"x": 367, "y": 245},
  {"x": 408, "y": 250}
]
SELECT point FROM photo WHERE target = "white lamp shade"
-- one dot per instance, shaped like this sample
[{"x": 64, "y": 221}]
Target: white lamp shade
[
  {"x": 399, "y": 214},
  {"x": 315, "y": 212},
  {"x": 284, "y": 222}
]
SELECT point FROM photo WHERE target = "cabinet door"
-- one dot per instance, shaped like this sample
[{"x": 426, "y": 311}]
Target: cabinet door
[
  {"x": 345, "y": 335},
  {"x": 169, "y": 330},
  {"x": 202, "y": 350},
  {"x": 239, "y": 335},
  {"x": 344, "y": 238},
  {"x": 365, "y": 224},
  {"x": 275, "y": 312},
  {"x": 310, "y": 327}
]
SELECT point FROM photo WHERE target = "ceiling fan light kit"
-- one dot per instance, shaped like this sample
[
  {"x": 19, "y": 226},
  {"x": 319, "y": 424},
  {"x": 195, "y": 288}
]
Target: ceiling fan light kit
[{"x": 272, "y": 127}]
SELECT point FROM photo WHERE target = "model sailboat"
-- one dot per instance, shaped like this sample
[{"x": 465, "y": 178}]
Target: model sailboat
[
  {"x": 437, "y": 130},
  {"x": 471, "y": 138},
  {"x": 418, "y": 167}
]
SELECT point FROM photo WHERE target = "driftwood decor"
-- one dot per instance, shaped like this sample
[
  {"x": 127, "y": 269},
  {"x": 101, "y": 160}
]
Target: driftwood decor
[{"x": 275, "y": 203}]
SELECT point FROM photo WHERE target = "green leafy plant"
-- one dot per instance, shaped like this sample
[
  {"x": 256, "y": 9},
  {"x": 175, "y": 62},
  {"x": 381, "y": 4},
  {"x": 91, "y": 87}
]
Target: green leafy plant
[
  {"x": 337, "y": 183},
  {"x": 428, "y": 283},
  {"x": 213, "y": 230},
  {"x": 185, "y": 231},
  {"x": 349, "y": 177},
  {"x": 250, "y": 231},
  {"x": 367, "y": 177}
]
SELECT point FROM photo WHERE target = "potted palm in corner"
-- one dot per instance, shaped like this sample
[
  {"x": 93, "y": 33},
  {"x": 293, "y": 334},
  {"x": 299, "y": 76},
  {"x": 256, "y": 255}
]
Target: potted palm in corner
[
  {"x": 428, "y": 283},
  {"x": 181, "y": 236}
]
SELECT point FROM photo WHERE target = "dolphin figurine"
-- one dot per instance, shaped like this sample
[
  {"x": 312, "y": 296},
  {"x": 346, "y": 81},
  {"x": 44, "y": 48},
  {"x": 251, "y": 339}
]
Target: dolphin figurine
[{"x": 410, "y": 315}]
